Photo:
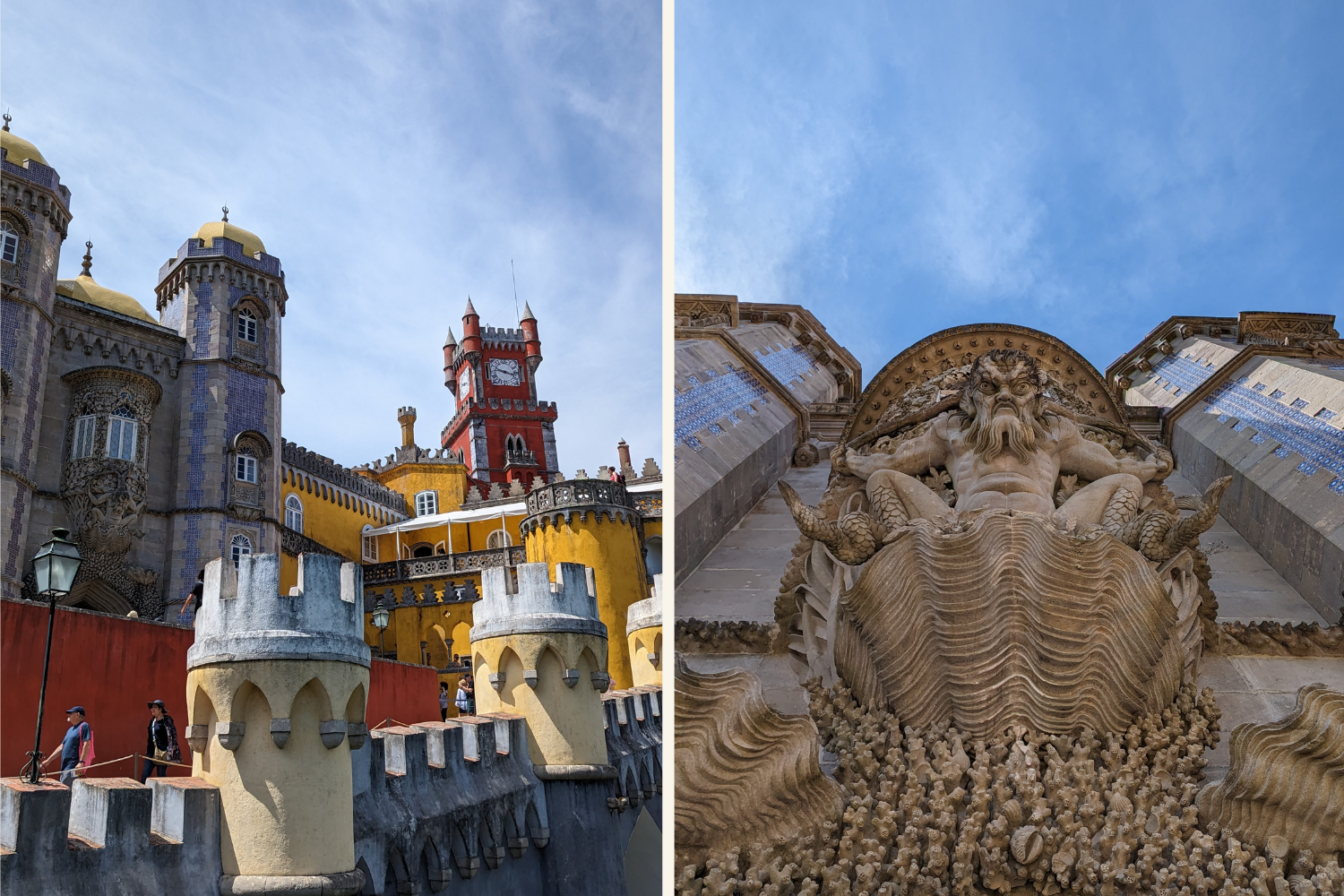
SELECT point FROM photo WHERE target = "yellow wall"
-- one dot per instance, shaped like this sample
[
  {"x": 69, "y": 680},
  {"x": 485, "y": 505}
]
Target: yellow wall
[
  {"x": 564, "y": 724},
  {"x": 449, "y": 480},
  {"x": 642, "y": 642},
  {"x": 465, "y": 537},
  {"x": 283, "y": 811},
  {"x": 325, "y": 520},
  {"x": 437, "y": 624},
  {"x": 614, "y": 551}
]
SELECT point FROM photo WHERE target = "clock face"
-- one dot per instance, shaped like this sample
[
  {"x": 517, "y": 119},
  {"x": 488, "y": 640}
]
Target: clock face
[
  {"x": 505, "y": 372},
  {"x": 464, "y": 384}
]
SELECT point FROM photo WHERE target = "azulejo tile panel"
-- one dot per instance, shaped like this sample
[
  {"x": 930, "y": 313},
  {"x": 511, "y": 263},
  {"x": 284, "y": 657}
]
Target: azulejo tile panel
[
  {"x": 1184, "y": 373},
  {"x": 788, "y": 364},
  {"x": 705, "y": 403},
  {"x": 1320, "y": 444}
]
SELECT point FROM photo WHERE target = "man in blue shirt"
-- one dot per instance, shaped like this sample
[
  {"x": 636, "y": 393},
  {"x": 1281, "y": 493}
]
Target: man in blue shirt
[{"x": 77, "y": 743}]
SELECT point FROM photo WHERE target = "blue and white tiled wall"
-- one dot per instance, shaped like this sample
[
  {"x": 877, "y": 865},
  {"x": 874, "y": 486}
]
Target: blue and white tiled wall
[{"x": 712, "y": 396}]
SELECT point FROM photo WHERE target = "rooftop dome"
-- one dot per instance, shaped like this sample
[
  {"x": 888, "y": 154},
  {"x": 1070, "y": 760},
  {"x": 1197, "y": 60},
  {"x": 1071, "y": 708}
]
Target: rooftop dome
[
  {"x": 85, "y": 289},
  {"x": 17, "y": 149},
  {"x": 211, "y": 230}
]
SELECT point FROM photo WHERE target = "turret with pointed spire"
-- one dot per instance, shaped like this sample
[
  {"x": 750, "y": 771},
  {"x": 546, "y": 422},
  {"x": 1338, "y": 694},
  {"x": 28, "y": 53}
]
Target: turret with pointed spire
[
  {"x": 471, "y": 329},
  {"x": 532, "y": 341},
  {"x": 449, "y": 349}
]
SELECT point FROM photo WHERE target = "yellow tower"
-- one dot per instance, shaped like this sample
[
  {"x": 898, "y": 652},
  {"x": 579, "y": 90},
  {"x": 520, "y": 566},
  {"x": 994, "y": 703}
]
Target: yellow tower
[
  {"x": 644, "y": 636},
  {"x": 276, "y": 688},
  {"x": 539, "y": 650},
  {"x": 594, "y": 523}
]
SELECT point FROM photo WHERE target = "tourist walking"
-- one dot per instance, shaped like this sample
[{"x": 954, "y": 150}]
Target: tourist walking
[
  {"x": 443, "y": 701},
  {"x": 466, "y": 696},
  {"x": 161, "y": 746},
  {"x": 76, "y": 748}
]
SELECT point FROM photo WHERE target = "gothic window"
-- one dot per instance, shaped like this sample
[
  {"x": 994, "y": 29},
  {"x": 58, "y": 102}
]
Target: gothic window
[
  {"x": 294, "y": 513},
  {"x": 426, "y": 503},
  {"x": 247, "y": 326},
  {"x": 498, "y": 539},
  {"x": 82, "y": 446},
  {"x": 370, "y": 545},
  {"x": 239, "y": 547},
  {"x": 121, "y": 433},
  {"x": 9, "y": 243},
  {"x": 245, "y": 469}
]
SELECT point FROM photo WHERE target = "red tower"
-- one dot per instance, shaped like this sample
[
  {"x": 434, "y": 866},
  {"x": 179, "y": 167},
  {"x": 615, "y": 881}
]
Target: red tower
[{"x": 502, "y": 430}]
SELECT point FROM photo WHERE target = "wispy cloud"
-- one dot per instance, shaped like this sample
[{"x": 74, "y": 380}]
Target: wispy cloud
[
  {"x": 396, "y": 157},
  {"x": 1085, "y": 170}
]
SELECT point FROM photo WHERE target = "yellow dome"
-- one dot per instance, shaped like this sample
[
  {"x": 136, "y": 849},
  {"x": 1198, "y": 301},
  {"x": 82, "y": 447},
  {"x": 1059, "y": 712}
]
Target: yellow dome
[
  {"x": 85, "y": 289},
  {"x": 19, "y": 150},
  {"x": 251, "y": 242}
]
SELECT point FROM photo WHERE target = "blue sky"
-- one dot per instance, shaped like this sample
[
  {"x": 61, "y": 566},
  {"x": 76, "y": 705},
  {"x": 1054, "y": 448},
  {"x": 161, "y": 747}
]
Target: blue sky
[
  {"x": 395, "y": 157},
  {"x": 1085, "y": 169}
]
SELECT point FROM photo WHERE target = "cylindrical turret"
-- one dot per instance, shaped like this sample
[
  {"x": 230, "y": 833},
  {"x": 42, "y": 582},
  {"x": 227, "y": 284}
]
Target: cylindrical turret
[
  {"x": 540, "y": 650},
  {"x": 644, "y": 632},
  {"x": 623, "y": 453},
  {"x": 471, "y": 329},
  {"x": 276, "y": 689},
  {"x": 595, "y": 523},
  {"x": 449, "y": 350},
  {"x": 406, "y": 417},
  {"x": 530, "y": 337}
]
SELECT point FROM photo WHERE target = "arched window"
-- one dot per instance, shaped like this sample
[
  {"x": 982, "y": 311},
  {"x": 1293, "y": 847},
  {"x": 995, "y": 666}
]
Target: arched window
[
  {"x": 498, "y": 539},
  {"x": 422, "y": 550},
  {"x": 370, "y": 545},
  {"x": 9, "y": 243},
  {"x": 247, "y": 326},
  {"x": 294, "y": 513},
  {"x": 427, "y": 503},
  {"x": 653, "y": 555},
  {"x": 121, "y": 433},
  {"x": 240, "y": 546},
  {"x": 245, "y": 469}
]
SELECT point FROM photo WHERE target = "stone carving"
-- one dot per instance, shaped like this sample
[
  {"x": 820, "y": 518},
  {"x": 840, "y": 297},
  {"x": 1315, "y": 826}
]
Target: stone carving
[
  {"x": 754, "y": 772},
  {"x": 984, "y": 625},
  {"x": 725, "y": 636},
  {"x": 1287, "y": 778},
  {"x": 934, "y": 811},
  {"x": 1274, "y": 639}
]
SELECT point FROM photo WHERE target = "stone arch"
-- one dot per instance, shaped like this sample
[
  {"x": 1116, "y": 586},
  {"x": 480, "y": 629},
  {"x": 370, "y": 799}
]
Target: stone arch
[
  {"x": 464, "y": 856},
  {"x": 312, "y": 699},
  {"x": 440, "y": 651},
  {"x": 511, "y": 668},
  {"x": 489, "y": 830},
  {"x": 630, "y": 787},
  {"x": 433, "y": 870},
  {"x": 243, "y": 698},
  {"x": 369, "y": 888},
  {"x": 401, "y": 876},
  {"x": 357, "y": 705},
  {"x": 588, "y": 663},
  {"x": 201, "y": 711},
  {"x": 538, "y": 831},
  {"x": 462, "y": 639}
]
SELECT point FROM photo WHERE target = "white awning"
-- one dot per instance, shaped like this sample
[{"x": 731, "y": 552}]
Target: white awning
[
  {"x": 641, "y": 487},
  {"x": 516, "y": 508}
]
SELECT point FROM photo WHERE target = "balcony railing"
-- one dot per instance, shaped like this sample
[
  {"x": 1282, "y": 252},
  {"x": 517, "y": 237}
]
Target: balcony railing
[
  {"x": 520, "y": 459},
  {"x": 442, "y": 565}
]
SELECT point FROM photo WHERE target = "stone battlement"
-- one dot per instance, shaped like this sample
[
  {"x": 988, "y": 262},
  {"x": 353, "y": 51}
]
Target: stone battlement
[
  {"x": 461, "y": 793},
  {"x": 646, "y": 613},
  {"x": 109, "y": 835},
  {"x": 243, "y": 615},
  {"x": 533, "y": 603},
  {"x": 634, "y": 729}
]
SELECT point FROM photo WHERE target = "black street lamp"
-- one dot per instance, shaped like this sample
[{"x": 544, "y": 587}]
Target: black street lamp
[
  {"x": 380, "y": 619},
  {"x": 54, "y": 567}
]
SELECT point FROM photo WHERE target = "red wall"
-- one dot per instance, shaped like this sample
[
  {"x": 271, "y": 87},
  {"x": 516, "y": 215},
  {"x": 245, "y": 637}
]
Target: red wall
[{"x": 113, "y": 666}]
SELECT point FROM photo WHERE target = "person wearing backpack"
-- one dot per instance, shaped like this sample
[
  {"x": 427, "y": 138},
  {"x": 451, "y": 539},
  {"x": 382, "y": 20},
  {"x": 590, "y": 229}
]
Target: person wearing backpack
[{"x": 77, "y": 747}]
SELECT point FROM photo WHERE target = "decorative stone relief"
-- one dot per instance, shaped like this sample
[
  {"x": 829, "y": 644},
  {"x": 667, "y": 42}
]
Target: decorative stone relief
[
  {"x": 1286, "y": 784},
  {"x": 754, "y": 772}
]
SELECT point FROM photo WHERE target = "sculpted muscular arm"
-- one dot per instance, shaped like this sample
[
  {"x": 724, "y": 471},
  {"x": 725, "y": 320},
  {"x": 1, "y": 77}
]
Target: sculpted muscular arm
[
  {"x": 1092, "y": 462},
  {"x": 912, "y": 457}
]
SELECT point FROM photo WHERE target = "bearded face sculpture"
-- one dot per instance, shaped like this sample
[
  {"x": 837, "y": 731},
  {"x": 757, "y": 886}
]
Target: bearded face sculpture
[{"x": 1004, "y": 405}]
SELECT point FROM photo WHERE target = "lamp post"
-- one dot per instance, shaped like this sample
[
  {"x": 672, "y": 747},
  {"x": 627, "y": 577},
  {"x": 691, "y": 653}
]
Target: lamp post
[
  {"x": 54, "y": 567},
  {"x": 380, "y": 618}
]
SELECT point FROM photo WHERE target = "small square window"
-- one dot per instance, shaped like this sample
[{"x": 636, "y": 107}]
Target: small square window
[
  {"x": 426, "y": 504},
  {"x": 9, "y": 244},
  {"x": 247, "y": 326},
  {"x": 246, "y": 470}
]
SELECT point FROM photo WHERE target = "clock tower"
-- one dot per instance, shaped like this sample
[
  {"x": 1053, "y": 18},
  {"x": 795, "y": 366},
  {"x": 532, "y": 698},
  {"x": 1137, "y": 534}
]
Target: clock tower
[{"x": 504, "y": 433}]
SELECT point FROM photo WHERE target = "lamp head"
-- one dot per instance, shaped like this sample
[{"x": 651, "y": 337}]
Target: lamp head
[
  {"x": 380, "y": 616},
  {"x": 56, "y": 565}
]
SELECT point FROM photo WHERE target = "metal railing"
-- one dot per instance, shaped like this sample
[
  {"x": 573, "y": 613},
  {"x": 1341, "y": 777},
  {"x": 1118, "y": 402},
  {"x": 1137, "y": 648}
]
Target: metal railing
[{"x": 442, "y": 565}]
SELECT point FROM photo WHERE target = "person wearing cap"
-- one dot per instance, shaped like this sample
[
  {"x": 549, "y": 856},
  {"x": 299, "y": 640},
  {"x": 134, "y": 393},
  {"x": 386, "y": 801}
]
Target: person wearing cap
[
  {"x": 162, "y": 745},
  {"x": 77, "y": 748}
]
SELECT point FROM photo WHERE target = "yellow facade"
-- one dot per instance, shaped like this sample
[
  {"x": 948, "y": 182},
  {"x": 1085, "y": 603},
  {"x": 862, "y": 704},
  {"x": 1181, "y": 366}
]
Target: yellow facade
[
  {"x": 457, "y": 538},
  {"x": 331, "y": 517},
  {"x": 614, "y": 549},
  {"x": 564, "y": 723},
  {"x": 283, "y": 810},
  {"x": 646, "y": 656},
  {"x": 410, "y": 479}
]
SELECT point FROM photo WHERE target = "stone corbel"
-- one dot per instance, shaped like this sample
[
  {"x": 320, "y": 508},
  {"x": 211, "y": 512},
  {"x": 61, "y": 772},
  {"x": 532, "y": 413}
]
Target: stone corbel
[
  {"x": 230, "y": 734},
  {"x": 517, "y": 846},
  {"x": 530, "y": 676},
  {"x": 570, "y": 677},
  {"x": 540, "y": 836},
  {"x": 280, "y": 732},
  {"x": 601, "y": 680},
  {"x": 197, "y": 737},
  {"x": 358, "y": 732},
  {"x": 497, "y": 680},
  {"x": 653, "y": 658},
  {"x": 333, "y": 732}
]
